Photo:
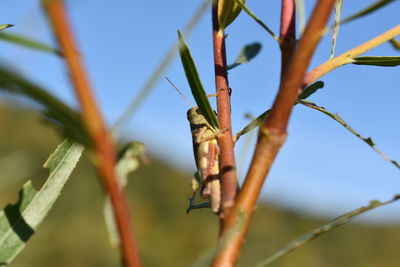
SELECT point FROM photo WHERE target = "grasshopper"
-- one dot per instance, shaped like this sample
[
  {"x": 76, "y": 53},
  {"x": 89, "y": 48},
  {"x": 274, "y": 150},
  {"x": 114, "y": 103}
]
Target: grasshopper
[{"x": 206, "y": 153}]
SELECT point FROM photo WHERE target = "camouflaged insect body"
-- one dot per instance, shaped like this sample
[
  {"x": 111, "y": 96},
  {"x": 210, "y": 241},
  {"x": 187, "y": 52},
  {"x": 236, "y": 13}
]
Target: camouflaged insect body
[{"x": 206, "y": 151}]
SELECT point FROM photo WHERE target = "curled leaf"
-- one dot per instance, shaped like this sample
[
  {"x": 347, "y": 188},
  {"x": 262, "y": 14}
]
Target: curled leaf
[
  {"x": 246, "y": 54},
  {"x": 228, "y": 10}
]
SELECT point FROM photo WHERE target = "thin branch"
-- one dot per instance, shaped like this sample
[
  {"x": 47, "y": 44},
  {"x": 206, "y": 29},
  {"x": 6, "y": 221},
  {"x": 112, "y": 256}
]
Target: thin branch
[
  {"x": 273, "y": 134},
  {"x": 96, "y": 128},
  {"x": 347, "y": 57},
  {"x": 227, "y": 164},
  {"x": 337, "y": 118},
  {"x": 329, "y": 226}
]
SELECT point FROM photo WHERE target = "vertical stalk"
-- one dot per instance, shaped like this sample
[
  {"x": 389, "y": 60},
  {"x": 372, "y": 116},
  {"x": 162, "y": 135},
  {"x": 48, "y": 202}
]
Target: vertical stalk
[
  {"x": 105, "y": 151},
  {"x": 229, "y": 185},
  {"x": 271, "y": 136},
  {"x": 287, "y": 34}
]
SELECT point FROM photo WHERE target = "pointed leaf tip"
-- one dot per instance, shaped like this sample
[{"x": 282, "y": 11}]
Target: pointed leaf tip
[
  {"x": 5, "y": 26},
  {"x": 195, "y": 84},
  {"x": 247, "y": 53}
]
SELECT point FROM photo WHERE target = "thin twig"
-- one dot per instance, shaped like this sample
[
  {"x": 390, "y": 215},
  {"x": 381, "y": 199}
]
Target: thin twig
[
  {"x": 347, "y": 57},
  {"x": 227, "y": 164},
  {"x": 329, "y": 226},
  {"x": 273, "y": 134},
  {"x": 104, "y": 147}
]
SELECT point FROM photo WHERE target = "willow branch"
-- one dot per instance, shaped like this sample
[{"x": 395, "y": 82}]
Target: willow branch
[
  {"x": 347, "y": 57},
  {"x": 272, "y": 136},
  {"x": 96, "y": 128},
  {"x": 287, "y": 33},
  {"x": 227, "y": 165}
]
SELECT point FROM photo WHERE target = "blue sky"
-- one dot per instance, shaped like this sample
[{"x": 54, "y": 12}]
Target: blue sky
[{"x": 322, "y": 169}]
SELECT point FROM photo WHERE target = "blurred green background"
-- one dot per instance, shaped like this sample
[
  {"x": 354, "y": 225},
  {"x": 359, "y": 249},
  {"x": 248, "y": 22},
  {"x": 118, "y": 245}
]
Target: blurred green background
[{"x": 74, "y": 233}]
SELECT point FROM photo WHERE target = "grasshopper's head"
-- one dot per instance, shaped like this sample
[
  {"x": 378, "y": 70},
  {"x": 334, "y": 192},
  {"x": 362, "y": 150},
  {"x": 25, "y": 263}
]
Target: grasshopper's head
[{"x": 195, "y": 116}]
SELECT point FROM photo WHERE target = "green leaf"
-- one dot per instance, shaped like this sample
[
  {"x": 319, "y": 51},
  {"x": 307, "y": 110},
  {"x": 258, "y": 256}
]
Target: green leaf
[
  {"x": 58, "y": 113},
  {"x": 19, "y": 221},
  {"x": 195, "y": 83},
  {"x": 164, "y": 63},
  {"x": 369, "y": 9},
  {"x": 5, "y": 26},
  {"x": 309, "y": 90},
  {"x": 228, "y": 10},
  {"x": 256, "y": 19},
  {"x": 338, "y": 221},
  {"x": 246, "y": 54},
  {"x": 377, "y": 61},
  {"x": 27, "y": 42},
  {"x": 395, "y": 43},
  {"x": 338, "y": 14},
  {"x": 128, "y": 162},
  {"x": 337, "y": 118}
]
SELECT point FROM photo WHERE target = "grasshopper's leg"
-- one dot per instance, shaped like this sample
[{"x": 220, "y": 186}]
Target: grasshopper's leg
[
  {"x": 193, "y": 206},
  {"x": 208, "y": 164}
]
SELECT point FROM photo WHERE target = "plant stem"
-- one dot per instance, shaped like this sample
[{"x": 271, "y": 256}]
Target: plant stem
[
  {"x": 347, "y": 56},
  {"x": 271, "y": 136},
  {"x": 104, "y": 147},
  {"x": 287, "y": 33},
  {"x": 227, "y": 165}
]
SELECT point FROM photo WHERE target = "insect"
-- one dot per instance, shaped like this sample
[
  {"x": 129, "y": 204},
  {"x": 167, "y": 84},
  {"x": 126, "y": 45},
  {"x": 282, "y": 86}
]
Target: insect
[{"x": 206, "y": 154}]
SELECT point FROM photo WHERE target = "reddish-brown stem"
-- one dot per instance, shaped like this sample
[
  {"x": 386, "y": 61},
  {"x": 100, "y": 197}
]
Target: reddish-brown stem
[
  {"x": 287, "y": 33},
  {"x": 105, "y": 151},
  {"x": 227, "y": 163},
  {"x": 271, "y": 138}
]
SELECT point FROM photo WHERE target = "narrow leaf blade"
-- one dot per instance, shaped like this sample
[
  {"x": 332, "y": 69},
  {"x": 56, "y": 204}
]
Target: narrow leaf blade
[
  {"x": 337, "y": 118},
  {"x": 29, "y": 43},
  {"x": 369, "y": 9},
  {"x": 256, "y": 19},
  {"x": 18, "y": 222},
  {"x": 395, "y": 43},
  {"x": 195, "y": 83},
  {"x": 308, "y": 91},
  {"x": 60, "y": 114},
  {"x": 5, "y": 26},
  {"x": 377, "y": 61},
  {"x": 338, "y": 221}
]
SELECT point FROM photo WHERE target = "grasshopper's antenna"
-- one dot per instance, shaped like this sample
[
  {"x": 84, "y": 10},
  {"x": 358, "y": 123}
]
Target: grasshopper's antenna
[{"x": 187, "y": 101}]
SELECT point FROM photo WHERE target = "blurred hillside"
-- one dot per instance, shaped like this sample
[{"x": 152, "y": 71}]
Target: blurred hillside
[{"x": 74, "y": 232}]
